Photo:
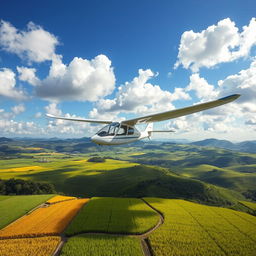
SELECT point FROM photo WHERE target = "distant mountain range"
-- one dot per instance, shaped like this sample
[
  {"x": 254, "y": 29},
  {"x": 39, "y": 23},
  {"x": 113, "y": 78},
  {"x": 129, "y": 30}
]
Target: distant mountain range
[{"x": 245, "y": 146}]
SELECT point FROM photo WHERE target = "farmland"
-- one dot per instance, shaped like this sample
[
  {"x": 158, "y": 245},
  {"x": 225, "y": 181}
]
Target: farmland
[
  {"x": 16, "y": 206},
  {"x": 250, "y": 205},
  {"x": 39, "y": 246},
  {"x": 50, "y": 220},
  {"x": 193, "y": 229},
  {"x": 58, "y": 199},
  {"x": 114, "y": 215},
  {"x": 100, "y": 245}
]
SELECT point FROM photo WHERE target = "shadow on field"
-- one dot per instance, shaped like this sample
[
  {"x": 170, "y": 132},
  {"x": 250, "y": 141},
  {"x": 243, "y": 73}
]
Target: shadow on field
[{"x": 109, "y": 215}]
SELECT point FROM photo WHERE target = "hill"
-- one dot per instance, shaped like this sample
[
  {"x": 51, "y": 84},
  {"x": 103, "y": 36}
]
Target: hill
[{"x": 245, "y": 146}]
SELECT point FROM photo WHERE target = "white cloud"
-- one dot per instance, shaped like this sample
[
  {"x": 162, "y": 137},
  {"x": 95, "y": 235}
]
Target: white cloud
[
  {"x": 81, "y": 80},
  {"x": 28, "y": 75},
  {"x": 58, "y": 126},
  {"x": 18, "y": 109},
  {"x": 201, "y": 87},
  {"x": 7, "y": 85},
  {"x": 38, "y": 114},
  {"x": 140, "y": 97},
  {"x": 217, "y": 44},
  {"x": 33, "y": 44}
]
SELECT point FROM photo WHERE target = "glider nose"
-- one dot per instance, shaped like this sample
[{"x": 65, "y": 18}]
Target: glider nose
[{"x": 95, "y": 138}]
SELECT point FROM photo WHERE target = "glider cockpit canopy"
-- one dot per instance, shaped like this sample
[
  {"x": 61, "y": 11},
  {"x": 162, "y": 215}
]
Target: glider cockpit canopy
[{"x": 116, "y": 128}]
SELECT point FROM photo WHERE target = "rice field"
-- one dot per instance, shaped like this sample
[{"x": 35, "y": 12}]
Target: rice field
[
  {"x": 39, "y": 246},
  {"x": 16, "y": 206},
  {"x": 50, "y": 220},
  {"x": 194, "y": 229},
  {"x": 114, "y": 215},
  {"x": 102, "y": 245}
]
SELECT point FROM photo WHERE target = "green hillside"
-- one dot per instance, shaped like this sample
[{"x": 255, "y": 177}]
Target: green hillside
[{"x": 76, "y": 176}]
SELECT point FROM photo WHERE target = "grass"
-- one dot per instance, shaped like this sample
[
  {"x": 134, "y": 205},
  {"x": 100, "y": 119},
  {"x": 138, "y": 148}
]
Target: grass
[
  {"x": 114, "y": 215},
  {"x": 194, "y": 229},
  {"x": 102, "y": 245},
  {"x": 16, "y": 206},
  {"x": 3, "y": 197}
]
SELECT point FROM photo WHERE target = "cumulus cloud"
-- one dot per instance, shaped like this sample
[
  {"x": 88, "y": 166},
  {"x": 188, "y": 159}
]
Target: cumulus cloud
[
  {"x": 58, "y": 126},
  {"x": 139, "y": 96},
  {"x": 33, "y": 44},
  {"x": 18, "y": 109},
  {"x": 201, "y": 87},
  {"x": 236, "y": 120},
  {"x": 7, "y": 85},
  {"x": 217, "y": 44},
  {"x": 28, "y": 75},
  {"x": 81, "y": 80}
]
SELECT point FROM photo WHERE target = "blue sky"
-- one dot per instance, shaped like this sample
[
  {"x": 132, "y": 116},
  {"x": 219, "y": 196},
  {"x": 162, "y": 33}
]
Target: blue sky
[{"x": 71, "y": 58}]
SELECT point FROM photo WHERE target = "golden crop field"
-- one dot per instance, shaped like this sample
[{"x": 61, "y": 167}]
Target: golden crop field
[
  {"x": 38, "y": 246},
  {"x": 194, "y": 229},
  {"x": 51, "y": 220},
  {"x": 23, "y": 169},
  {"x": 58, "y": 199}
]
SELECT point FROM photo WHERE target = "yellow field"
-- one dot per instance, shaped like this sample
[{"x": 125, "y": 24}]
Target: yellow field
[
  {"x": 58, "y": 199},
  {"x": 51, "y": 220},
  {"x": 33, "y": 148},
  {"x": 194, "y": 229},
  {"x": 40, "y": 246},
  {"x": 23, "y": 169}
]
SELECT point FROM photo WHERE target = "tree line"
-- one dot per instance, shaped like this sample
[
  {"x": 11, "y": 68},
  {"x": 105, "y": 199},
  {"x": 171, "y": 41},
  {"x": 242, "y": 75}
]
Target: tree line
[{"x": 25, "y": 187}]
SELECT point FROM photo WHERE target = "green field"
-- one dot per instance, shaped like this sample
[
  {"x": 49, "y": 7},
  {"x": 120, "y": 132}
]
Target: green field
[
  {"x": 102, "y": 245},
  {"x": 250, "y": 205},
  {"x": 3, "y": 197},
  {"x": 114, "y": 215},
  {"x": 194, "y": 229},
  {"x": 16, "y": 206}
]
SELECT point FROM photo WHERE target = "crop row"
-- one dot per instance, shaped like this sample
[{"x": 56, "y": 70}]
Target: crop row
[
  {"x": 102, "y": 245},
  {"x": 49, "y": 220},
  {"x": 194, "y": 229},
  {"x": 114, "y": 215},
  {"x": 39, "y": 246}
]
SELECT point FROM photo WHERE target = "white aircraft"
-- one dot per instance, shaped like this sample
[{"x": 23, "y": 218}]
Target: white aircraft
[{"x": 116, "y": 133}]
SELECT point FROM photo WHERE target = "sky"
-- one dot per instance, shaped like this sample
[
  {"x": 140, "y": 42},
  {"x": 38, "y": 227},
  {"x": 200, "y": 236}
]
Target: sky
[{"x": 115, "y": 60}]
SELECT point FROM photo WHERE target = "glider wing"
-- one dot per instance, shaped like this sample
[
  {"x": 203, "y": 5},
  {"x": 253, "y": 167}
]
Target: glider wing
[
  {"x": 80, "y": 119},
  {"x": 181, "y": 112}
]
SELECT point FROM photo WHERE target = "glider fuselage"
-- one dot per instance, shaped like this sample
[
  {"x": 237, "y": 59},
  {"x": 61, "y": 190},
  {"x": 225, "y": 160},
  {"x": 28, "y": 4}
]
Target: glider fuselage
[{"x": 117, "y": 134}]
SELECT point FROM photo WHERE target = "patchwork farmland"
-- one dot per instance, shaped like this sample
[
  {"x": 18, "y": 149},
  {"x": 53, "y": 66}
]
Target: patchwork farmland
[{"x": 68, "y": 226}]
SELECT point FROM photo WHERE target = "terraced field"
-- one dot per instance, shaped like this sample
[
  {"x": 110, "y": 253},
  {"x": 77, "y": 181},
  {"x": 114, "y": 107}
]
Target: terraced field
[
  {"x": 114, "y": 215},
  {"x": 194, "y": 229}
]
